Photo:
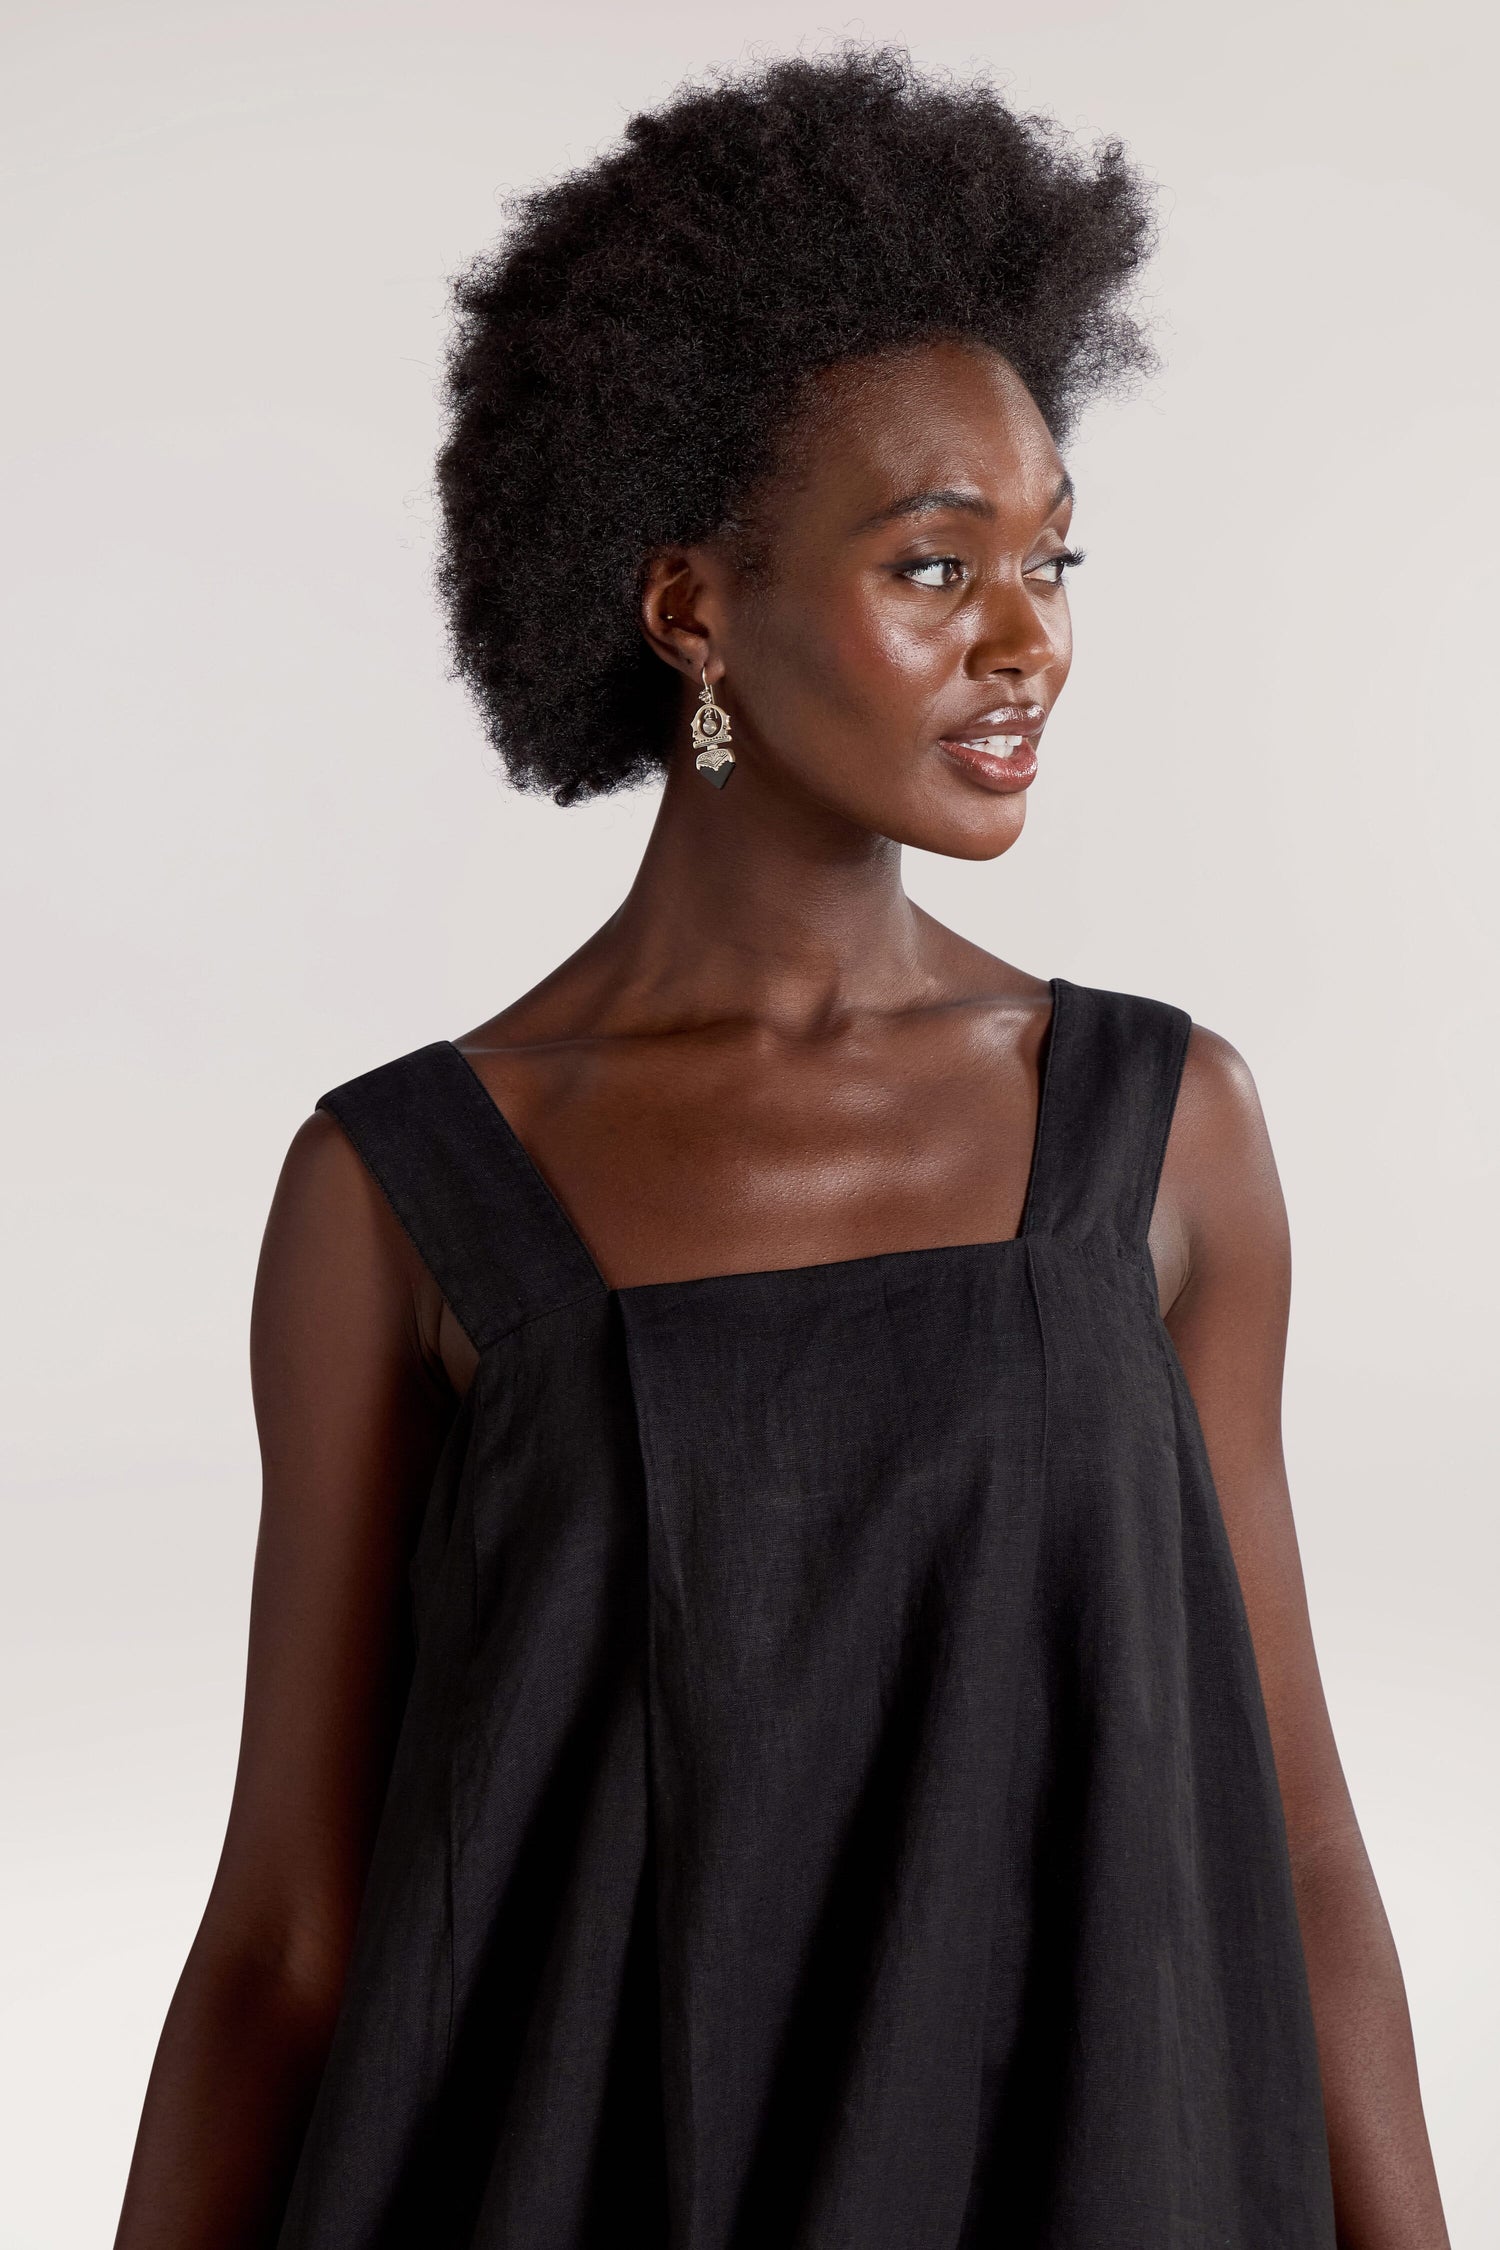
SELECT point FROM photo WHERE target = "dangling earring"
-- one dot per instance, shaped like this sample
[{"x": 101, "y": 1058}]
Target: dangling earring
[{"x": 711, "y": 737}]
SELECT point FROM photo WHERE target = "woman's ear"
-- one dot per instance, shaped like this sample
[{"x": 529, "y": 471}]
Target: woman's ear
[{"x": 674, "y": 602}]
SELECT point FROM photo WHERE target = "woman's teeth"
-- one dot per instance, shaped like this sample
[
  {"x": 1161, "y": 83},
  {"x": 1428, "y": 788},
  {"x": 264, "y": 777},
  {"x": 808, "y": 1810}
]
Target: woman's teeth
[{"x": 1001, "y": 744}]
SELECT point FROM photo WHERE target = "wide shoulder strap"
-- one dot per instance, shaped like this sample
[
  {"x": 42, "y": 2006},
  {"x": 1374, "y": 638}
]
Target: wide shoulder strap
[
  {"x": 1110, "y": 1074},
  {"x": 484, "y": 1221}
]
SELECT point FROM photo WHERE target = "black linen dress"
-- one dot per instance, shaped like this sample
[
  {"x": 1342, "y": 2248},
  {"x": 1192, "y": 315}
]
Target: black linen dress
[{"x": 834, "y": 1808}]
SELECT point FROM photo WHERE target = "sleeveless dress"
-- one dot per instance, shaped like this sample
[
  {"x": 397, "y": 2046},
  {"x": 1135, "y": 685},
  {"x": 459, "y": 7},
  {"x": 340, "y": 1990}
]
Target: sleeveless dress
[{"x": 834, "y": 1808}]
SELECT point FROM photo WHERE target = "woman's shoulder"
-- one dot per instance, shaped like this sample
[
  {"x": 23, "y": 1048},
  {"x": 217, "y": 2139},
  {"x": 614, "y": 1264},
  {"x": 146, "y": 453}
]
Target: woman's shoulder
[
  {"x": 1217, "y": 1172},
  {"x": 383, "y": 1074},
  {"x": 1213, "y": 1069},
  {"x": 329, "y": 1216},
  {"x": 326, "y": 1177},
  {"x": 1219, "y": 1192},
  {"x": 333, "y": 1225}
]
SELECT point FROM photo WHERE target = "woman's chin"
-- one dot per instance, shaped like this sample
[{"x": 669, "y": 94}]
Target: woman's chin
[{"x": 978, "y": 830}]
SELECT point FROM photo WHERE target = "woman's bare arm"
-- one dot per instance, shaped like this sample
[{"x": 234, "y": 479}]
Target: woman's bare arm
[
  {"x": 1228, "y": 1319},
  {"x": 351, "y": 1420}
]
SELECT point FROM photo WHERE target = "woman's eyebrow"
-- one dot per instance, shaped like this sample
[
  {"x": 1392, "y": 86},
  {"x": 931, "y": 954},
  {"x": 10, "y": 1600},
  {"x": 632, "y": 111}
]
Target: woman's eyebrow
[
  {"x": 928, "y": 503},
  {"x": 947, "y": 497}
]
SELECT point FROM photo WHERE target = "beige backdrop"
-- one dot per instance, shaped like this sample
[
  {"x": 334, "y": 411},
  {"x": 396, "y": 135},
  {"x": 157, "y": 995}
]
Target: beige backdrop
[{"x": 258, "y": 845}]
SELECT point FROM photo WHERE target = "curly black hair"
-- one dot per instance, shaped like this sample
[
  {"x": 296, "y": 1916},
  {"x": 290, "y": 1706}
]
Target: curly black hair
[{"x": 628, "y": 358}]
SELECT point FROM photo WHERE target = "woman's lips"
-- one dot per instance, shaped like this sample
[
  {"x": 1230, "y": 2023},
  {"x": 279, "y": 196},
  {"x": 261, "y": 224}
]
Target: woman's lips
[{"x": 992, "y": 764}]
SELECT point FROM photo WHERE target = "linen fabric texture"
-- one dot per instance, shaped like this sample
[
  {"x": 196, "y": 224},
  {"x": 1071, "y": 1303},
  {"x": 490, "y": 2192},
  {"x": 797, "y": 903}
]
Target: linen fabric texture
[{"x": 835, "y": 1807}]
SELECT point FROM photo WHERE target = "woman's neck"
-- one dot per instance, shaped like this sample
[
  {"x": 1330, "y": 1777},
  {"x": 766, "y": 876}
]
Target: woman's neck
[{"x": 758, "y": 906}]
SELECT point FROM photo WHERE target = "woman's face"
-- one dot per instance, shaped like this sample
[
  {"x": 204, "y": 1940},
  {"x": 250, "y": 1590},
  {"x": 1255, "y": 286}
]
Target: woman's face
[{"x": 897, "y": 657}]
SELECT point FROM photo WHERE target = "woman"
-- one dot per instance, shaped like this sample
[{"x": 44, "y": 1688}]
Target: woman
[{"x": 858, "y": 1774}]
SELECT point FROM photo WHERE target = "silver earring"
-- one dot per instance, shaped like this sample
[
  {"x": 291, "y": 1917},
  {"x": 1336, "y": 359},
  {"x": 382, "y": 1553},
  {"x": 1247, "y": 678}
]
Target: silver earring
[{"x": 711, "y": 737}]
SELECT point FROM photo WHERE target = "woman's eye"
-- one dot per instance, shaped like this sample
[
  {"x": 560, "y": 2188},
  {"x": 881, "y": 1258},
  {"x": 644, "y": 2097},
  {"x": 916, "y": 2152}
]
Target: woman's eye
[
  {"x": 1058, "y": 564},
  {"x": 934, "y": 570}
]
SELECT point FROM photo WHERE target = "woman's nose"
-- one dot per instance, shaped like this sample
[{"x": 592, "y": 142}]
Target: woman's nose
[{"x": 1016, "y": 632}]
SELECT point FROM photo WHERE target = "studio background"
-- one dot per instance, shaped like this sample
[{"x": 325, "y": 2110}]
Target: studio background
[{"x": 255, "y": 843}]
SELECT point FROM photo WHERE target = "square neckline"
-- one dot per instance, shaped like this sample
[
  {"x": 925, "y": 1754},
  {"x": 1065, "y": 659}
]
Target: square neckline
[{"x": 533, "y": 1170}]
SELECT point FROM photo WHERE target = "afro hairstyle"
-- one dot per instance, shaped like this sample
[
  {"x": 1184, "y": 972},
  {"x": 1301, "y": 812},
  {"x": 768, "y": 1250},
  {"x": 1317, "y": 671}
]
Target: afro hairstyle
[{"x": 628, "y": 359}]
